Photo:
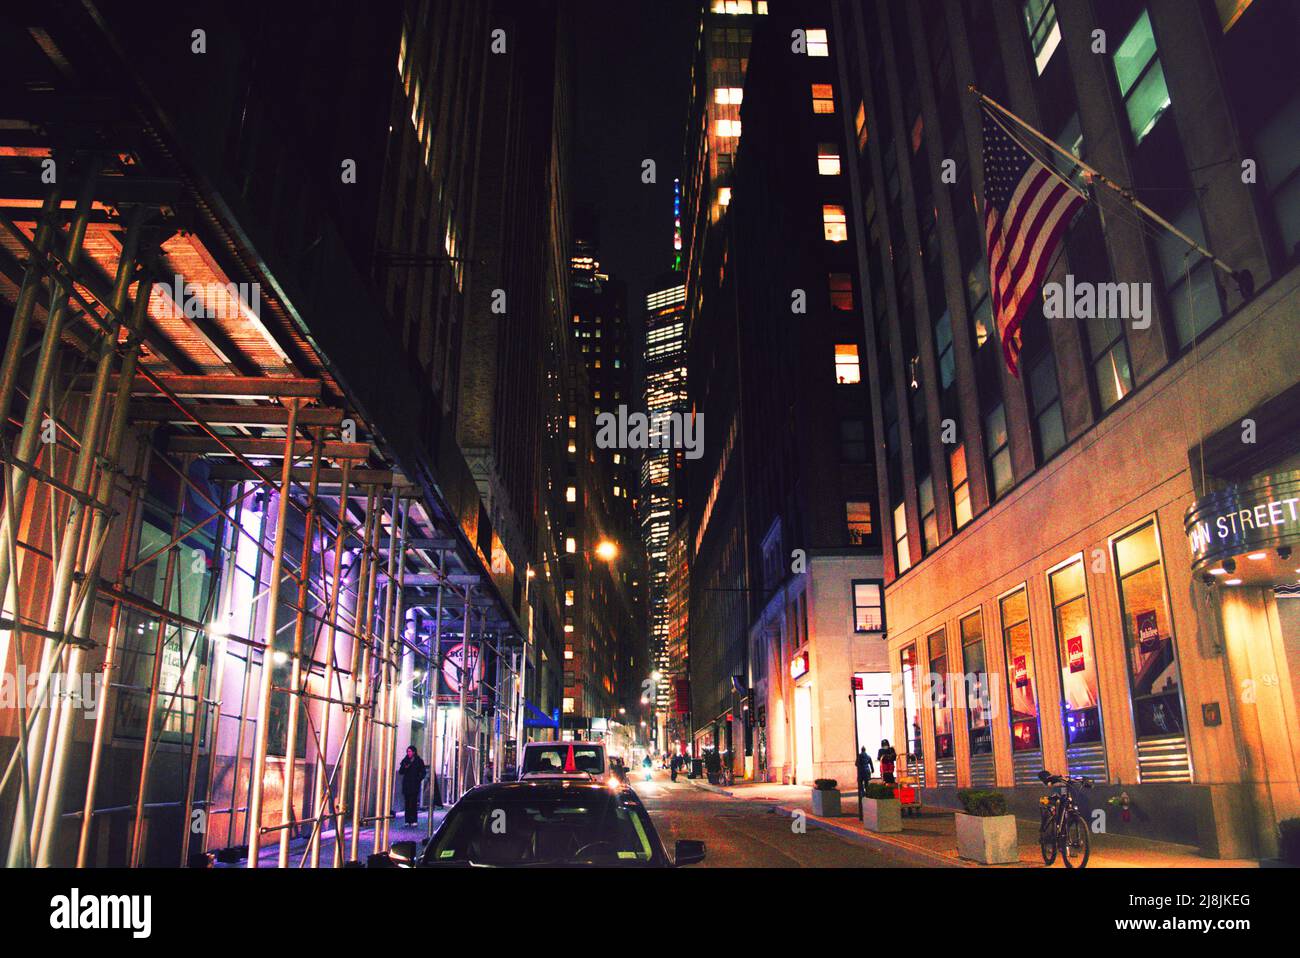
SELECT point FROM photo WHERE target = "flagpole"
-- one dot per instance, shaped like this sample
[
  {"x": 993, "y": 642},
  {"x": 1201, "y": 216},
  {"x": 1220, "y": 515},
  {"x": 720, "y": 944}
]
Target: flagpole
[{"x": 1241, "y": 277}]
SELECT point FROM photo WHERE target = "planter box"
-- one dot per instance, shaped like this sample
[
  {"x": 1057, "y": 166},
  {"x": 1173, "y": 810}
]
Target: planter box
[
  {"x": 988, "y": 840},
  {"x": 825, "y": 803},
  {"x": 882, "y": 814}
]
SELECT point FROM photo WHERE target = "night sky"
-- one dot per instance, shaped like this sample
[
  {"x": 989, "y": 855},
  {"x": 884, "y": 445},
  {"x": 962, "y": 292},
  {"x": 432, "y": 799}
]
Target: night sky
[{"x": 631, "y": 83}]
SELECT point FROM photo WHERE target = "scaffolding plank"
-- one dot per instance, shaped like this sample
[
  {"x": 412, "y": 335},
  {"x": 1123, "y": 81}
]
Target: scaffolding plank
[
  {"x": 268, "y": 448},
  {"x": 219, "y": 387},
  {"x": 235, "y": 415}
]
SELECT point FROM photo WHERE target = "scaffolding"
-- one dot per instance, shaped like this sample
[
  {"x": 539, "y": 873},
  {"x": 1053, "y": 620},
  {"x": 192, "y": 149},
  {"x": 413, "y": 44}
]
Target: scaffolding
[{"x": 225, "y": 607}]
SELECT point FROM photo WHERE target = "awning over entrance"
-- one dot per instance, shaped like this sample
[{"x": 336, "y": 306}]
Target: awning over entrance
[{"x": 1245, "y": 534}]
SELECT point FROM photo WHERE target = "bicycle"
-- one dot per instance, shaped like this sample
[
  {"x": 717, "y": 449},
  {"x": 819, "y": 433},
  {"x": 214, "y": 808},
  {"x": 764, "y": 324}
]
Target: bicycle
[{"x": 1063, "y": 829}]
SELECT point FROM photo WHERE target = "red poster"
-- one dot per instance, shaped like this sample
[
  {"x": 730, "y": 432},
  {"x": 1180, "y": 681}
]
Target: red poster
[
  {"x": 1148, "y": 631},
  {"x": 1020, "y": 670},
  {"x": 1074, "y": 649}
]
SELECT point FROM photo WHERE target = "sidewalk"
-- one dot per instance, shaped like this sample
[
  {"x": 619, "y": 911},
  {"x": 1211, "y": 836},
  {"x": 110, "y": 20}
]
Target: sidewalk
[
  {"x": 398, "y": 831},
  {"x": 931, "y": 835}
]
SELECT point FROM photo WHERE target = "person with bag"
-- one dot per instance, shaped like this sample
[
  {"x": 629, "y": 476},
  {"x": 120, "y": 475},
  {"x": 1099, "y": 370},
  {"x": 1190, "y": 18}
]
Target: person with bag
[{"x": 886, "y": 757}]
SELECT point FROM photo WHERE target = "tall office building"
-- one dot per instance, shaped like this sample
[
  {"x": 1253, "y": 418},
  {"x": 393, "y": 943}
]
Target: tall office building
[
  {"x": 713, "y": 131},
  {"x": 1104, "y": 542},
  {"x": 663, "y": 365},
  {"x": 605, "y": 655}
]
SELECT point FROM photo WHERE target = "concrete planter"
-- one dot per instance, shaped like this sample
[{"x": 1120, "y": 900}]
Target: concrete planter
[
  {"x": 825, "y": 803},
  {"x": 989, "y": 840},
  {"x": 882, "y": 814}
]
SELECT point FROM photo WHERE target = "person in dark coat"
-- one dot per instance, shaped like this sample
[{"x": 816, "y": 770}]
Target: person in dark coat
[
  {"x": 412, "y": 773},
  {"x": 866, "y": 768},
  {"x": 887, "y": 757}
]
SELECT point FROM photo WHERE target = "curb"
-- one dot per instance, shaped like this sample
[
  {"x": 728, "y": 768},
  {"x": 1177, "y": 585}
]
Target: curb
[{"x": 878, "y": 842}]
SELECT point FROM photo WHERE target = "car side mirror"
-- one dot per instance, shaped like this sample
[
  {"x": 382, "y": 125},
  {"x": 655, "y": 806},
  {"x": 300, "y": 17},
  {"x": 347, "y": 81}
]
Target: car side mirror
[
  {"x": 402, "y": 853},
  {"x": 689, "y": 851}
]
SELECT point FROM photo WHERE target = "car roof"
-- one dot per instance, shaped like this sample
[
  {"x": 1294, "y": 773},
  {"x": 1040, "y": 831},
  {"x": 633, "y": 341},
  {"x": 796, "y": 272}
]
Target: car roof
[
  {"x": 563, "y": 744},
  {"x": 532, "y": 788}
]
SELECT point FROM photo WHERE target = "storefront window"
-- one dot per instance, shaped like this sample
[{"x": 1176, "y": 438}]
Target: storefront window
[
  {"x": 1079, "y": 686},
  {"x": 189, "y": 595},
  {"x": 911, "y": 714},
  {"x": 976, "y": 685},
  {"x": 942, "y": 706},
  {"x": 1148, "y": 635},
  {"x": 1022, "y": 688}
]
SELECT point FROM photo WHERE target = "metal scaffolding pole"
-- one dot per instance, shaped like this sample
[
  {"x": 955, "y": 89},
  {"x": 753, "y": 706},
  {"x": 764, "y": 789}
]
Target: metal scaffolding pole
[
  {"x": 264, "y": 693},
  {"x": 227, "y": 569},
  {"x": 63, "y": 608},
  {"x": 365, "y": 697},
  {"x": 295, "y": 667},
  {"x": 247, "y": 686},
  {"x": 151, "y": 713},
  {"x": 23, "y": 457},
  {"x": 105, "y": 701},
  {"x": 330, "y": 656},
  {"x": 464, "y": 682},
  {"x": 434, "y": 674}
]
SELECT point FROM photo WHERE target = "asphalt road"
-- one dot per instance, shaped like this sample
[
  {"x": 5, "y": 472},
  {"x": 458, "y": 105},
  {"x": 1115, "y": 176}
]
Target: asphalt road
[{"x": 740, "y": 833}]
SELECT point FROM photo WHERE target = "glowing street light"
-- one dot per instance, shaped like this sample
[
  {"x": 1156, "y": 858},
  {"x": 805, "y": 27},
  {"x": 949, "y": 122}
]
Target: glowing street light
[{"x": 607, "y": 550}]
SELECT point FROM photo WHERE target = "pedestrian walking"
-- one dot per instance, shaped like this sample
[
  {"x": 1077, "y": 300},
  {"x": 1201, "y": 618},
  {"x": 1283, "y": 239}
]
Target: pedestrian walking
[
  {"x": 412, "y": 772},
  {"x": 866, "y": 768},
  {"x": 887, "y": 757}
]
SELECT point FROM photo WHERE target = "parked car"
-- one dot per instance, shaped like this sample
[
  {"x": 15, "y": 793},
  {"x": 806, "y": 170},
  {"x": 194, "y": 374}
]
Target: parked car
[
  {"x": 551, "y": 759},
  {"x": 545, "y": 822}
]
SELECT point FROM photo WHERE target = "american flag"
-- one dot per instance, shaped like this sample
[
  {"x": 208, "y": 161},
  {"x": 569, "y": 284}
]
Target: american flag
[{"x": 1027, "y": 208}]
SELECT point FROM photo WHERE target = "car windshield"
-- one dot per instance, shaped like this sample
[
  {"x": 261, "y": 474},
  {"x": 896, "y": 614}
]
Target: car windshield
[
  {"x": 564, "y": 757},
  {"x": 595, "y": 827}
]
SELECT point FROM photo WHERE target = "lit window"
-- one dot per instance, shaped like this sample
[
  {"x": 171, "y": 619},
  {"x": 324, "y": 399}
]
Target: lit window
[
  {"x": 617, "y": 491},
  {"x": 902, "y": 554},
  {"x": 960, "y": 486},
  {"x": 726, "y": 127},
  {"x": 573, "y": 422},
  {"x": 828, "y": 159},
  {"x": 995, "y": 437},
  {"x": 841, "y": 288},
  {"x": 860, "y": 123},
  {"x": 835, "y": 223},
  {"x": 571, "y": 494},
  {"x": 818, "y": 45},
  {"x": 568, "y": 600},
  {"x": 569, "y": 706},
  {"x": 573, "y": 447},
  {"x": 724, "y": 196},
  {"x": 847, "y": 370},
  {"x": 1044, "y": 31},
  {"x": 617, "y": 459},
  {"x": 823, "y": 97},
  {"x": 570, "y": 545},
  {"x": 858, "y": 517},
  {"x": 568, "y": 652},
  {"x": 868, "y": 610},
  {"x": 1141, "y": 78},
  {"x": 729, "y": 95}
]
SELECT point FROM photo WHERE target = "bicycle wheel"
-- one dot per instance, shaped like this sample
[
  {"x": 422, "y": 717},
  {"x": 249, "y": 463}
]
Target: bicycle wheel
[
  {"x": 1074, "y": 848},
  {"x": 1047, "y": 838}
]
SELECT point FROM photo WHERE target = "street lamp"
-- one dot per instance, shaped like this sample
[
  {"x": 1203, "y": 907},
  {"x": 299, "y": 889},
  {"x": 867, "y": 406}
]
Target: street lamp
[{"x": 607, "y": 550}]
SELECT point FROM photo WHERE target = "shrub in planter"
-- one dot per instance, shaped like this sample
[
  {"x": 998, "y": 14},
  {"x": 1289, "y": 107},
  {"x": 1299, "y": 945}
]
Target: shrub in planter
[
  {"x": 825, "y": 798},
  {"x": 881, "y": 810},
  {"x": 1288, "y": 845},
  {"x": 984, "y": 803},
  {"x": 985, "y": 832}
]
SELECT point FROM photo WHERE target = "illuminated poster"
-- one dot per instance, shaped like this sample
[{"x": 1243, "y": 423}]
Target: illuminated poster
[
  {"x": 1148, "y": 631},
  {"x": 1074, "y": 649},
  {"x": 1020, "y": 670}
]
